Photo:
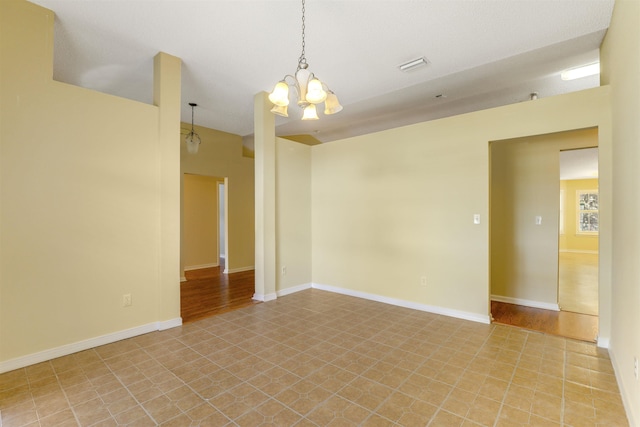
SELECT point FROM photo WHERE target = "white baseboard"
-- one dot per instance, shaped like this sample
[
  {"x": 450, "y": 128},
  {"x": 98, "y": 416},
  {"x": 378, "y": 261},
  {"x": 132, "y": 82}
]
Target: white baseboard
[
  {"x": 293, "y": 289},
  {"x": 240, "y": 269},
  {"x": 603, "y": 342},
  {"x": 200, "y": 267},
  {"x": 223, "y": 256},
  {"x": 265, "y": 297},
  {"x": 183, "y": 279},
  {"x": 526, "y": 302},
  {"x": 572, "y": 251},
  {"x": 65, "y": 350},
  {"x": 407, "y": 304}
]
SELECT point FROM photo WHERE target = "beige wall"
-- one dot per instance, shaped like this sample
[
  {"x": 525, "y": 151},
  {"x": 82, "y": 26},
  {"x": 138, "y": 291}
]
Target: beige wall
[
  {"x": 394, "y": 206},
  {"x": 571, "y": 240},
  {"x": 220, "y": 155},
  {"x": 620, "y": 56},
  {"x": 293, "y": 221},
  {"x": 525, "y": 183},
  {"x": 201, "y": 224},
  {"x": 89, "y": 202}
]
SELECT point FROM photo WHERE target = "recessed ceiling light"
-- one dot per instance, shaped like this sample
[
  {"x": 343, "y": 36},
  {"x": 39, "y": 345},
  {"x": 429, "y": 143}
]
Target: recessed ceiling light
[
  {"x": 579, "y": 72},
  {"x": 413, "y": 64}
]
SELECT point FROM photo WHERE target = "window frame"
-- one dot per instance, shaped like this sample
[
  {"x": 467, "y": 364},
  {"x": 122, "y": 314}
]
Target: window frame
[{"x": 591, "y": 212}]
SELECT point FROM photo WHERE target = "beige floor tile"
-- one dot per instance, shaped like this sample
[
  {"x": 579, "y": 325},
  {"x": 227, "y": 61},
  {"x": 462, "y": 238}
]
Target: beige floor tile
[{"x": 319, "y": 359}]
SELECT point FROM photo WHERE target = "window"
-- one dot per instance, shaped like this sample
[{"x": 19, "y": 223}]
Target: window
[{"x": 587, "y": 212}]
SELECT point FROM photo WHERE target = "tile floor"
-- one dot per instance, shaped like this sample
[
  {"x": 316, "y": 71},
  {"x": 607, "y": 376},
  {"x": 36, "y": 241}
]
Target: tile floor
[{"x": 321, "y": 359}]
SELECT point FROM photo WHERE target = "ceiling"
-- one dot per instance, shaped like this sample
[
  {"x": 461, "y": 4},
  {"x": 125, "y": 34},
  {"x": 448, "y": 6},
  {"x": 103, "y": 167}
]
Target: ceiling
[
  {"x": 481, "y": 53},
  {"x": 579, "y": 164}
]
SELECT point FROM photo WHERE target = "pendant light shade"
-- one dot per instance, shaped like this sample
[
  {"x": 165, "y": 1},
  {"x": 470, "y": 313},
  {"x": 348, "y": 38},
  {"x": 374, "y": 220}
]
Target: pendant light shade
[
  {"x": 192, "y": 139},
  {"x": 309, "y": 89},
  {"x": 193, "y": 143}
]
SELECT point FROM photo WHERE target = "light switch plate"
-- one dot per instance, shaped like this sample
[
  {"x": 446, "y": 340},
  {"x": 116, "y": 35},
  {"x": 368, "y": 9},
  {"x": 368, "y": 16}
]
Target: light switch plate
[
  {"x": 476, "y": 218},
  {"x": 538, "y": 220}
]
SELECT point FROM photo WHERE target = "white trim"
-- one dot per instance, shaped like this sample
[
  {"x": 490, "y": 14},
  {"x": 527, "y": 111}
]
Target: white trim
[
  {"x": 603, "y": 342},
  {"x": 169, "y": 324},
  {"x": 465, "y": 315},
  {"x": 223, "y": 256},
  {"x": 183, "y": 279},
  {"x": 200, "y": 267},
  {"x": 265, "y": 298},
  {"x": 526, "y": 302},
  {"x": 238, "y": 270},
  {"x": 576, "y": 251},
  {"x": 65, "y": 350},
  {"x": 293, "y": 289}
]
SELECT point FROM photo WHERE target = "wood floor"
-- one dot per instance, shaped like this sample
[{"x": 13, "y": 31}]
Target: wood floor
[
  {"x": 567, "y": 324},
  {"x": 209, "y": 291},
  {"x": 577, "y": 298},
  {"x": 578, "y": 282}
]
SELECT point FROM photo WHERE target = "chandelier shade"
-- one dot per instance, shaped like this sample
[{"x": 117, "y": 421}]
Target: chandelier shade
[
  {"x": 280, "y": 94},
  {"x": 309, "y": 89},
  {"x": 280, "y": 110},
  {"x": 331, "y": 104},
  {"x": 310, "y": 112}
]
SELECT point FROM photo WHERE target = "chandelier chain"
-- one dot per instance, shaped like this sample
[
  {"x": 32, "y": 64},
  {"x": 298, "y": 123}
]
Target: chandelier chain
[{"x": 302, "y": 61}]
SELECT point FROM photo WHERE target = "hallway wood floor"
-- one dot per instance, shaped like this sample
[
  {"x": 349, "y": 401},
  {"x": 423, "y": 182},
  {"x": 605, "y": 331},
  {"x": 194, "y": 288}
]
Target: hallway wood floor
[
  {"x": 577, "y": 298},
  {"x": 209, "y": 291},
  {"x": 578, "y": 282},
  {"x": 566, "y": 324}
]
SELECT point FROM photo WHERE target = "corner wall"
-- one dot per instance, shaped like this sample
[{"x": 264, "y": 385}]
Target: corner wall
[
  {"x": 89, "y": 202},
  {"x": 293, "y": 216},
  {"x": 620, "y": 58}
]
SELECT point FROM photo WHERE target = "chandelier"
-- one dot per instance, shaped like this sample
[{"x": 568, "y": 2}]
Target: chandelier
[
  {"x": 310, "y": 91},
  {"x": 192, "y": 139}
]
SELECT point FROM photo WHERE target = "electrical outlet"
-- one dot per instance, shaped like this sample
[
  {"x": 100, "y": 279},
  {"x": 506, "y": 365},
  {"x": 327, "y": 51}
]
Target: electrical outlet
[
  {"x": 635, "y": 367},
  {"x": 126, "y": 300},
  {"x": 423, "y": 281},
  {"x": 538, "y": 220},
  {"x": 284, "y": 270}
]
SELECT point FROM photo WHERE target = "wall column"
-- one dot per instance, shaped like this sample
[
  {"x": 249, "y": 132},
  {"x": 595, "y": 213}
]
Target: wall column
[
  {"x": 265, "y": 199},
  {"x": 166, "y": 95}
]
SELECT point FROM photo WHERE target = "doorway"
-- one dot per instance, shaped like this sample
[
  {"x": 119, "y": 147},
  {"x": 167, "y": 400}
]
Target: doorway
[
  {"x": 205, "y": 237},
  {"x": 578, "y": 238},
  {"x": 524, "y": 233}
]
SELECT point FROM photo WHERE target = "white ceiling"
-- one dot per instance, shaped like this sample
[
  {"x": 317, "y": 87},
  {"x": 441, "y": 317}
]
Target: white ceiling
[
  {"x": 579, "y": 164},
  {"x": 482, "y": 54}
]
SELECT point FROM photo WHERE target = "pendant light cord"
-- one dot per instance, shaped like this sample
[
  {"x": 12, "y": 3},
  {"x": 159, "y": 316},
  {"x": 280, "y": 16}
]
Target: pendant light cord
[{"x": 192, "y": 107}]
